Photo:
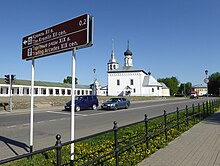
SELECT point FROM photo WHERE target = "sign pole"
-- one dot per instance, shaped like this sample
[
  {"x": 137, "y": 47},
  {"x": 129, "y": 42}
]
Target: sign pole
[
  {"x": 73, "y": 106},
  {"x": 32, "y": 107}
]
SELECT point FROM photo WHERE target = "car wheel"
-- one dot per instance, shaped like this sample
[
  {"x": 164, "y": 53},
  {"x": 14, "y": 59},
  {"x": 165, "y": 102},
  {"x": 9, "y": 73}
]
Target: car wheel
[
  {"x": 94, "y": 107},
  {"x": 77, "y": 108}
]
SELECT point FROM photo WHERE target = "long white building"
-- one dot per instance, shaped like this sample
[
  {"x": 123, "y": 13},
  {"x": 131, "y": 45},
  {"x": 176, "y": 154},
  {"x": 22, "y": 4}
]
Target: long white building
[{"x": 23, "y": 88}]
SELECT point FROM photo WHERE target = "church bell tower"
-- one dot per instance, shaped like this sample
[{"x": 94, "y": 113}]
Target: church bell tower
[
  {"x": 128, "y": 62},
  {"x": 113, "y": 64}
]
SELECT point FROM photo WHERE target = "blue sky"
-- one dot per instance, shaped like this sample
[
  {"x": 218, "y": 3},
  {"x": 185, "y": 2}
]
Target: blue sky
[{"x": 179, "y": 38}]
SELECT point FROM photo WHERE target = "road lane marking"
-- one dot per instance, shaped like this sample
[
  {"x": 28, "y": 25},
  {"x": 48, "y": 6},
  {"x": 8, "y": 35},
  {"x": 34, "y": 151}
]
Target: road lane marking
[
  {"x": 64, "y": 118},
  {"x": 40, "y": 122},
  {"x": 67, "y": 113},
  {"x": 54, "y": 112},
  {"x": 12, "y": 126},
  {"x": 82, "y": 114}
]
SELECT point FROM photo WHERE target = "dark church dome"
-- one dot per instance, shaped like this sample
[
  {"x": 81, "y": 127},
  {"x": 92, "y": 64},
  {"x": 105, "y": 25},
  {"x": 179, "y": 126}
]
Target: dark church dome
[{"x": 127, "y": 52}]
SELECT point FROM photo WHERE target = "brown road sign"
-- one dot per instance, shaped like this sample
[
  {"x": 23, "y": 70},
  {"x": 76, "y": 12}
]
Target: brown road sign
[{"x": 77, "y": 32}]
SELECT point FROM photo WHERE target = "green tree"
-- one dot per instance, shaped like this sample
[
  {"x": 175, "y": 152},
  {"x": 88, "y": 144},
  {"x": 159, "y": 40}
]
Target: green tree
[
  {"x": 214, "y": 84},
  {"x": 68, "y": 80},
  {"x": 185, "y": 88},
  {"x": 172, "y": 83}
]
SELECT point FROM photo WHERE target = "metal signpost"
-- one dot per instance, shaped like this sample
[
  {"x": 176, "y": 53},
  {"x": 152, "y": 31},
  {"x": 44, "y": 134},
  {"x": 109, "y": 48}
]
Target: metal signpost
[{"x": 70, "y": 35}]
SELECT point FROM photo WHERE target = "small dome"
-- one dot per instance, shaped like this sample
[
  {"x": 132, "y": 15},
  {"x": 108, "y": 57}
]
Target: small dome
[{"x": 127, "y": 52}]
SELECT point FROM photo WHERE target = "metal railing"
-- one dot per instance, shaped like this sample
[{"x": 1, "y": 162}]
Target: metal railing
[{"x": 170, "y": 120}]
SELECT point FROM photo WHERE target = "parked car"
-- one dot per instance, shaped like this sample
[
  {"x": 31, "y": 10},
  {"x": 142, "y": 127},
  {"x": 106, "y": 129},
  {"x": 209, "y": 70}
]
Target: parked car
[
  {"x": 194, "y": 95},
  {"x": 83, "y": 102},
  {"x": 116, "y": 103}
]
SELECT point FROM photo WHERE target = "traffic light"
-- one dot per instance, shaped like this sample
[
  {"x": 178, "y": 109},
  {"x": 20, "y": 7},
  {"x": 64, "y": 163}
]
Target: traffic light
[
  {"x": 7, "y": 79},
  {"x": 13, "y": 78}
]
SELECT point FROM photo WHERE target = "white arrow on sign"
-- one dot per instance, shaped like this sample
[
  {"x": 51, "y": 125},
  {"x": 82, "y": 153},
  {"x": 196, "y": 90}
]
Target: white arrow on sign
[{"x": 25, "y": 42}]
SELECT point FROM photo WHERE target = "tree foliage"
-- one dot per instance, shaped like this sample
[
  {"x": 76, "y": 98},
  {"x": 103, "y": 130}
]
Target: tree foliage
[
  {"x": 214, "y": 84},
  {"x": 68, "y": 80},
  {"x": 185, "y": 89},
  {"x": 172, "y": 83}
]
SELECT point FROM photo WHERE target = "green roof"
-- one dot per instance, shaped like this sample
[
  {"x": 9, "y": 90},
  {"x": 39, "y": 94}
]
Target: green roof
[{"x": 46, "y": 84}]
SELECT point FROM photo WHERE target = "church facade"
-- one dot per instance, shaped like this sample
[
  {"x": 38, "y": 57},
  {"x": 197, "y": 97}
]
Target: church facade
[{"x": 131, "y": 81}]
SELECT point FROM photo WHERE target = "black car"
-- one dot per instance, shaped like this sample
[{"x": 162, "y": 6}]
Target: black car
[
  {"x": 83, "y": 102},
  {"x": 116, "y": 103}
]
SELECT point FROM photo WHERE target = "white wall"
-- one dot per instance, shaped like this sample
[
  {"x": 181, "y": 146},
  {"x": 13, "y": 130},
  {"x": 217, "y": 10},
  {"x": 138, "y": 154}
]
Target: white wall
[
  {"x": 42, "y": 91},
  {"x": 124, "y": 78}
]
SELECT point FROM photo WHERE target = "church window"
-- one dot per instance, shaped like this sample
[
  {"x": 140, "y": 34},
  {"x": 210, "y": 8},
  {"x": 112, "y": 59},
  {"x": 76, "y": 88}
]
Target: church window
[
  {"x": 118, "y": 82},
  {"x": 152, "y": 89},
  {"x": 134, "y": 90},
  {"x": 158, "y": 88},
  {"x": 131, "y": 82}
]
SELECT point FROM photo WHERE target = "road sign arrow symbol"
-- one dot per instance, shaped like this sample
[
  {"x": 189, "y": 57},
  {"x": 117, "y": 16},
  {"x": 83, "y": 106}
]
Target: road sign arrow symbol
[{"x": 25, "y": 42}]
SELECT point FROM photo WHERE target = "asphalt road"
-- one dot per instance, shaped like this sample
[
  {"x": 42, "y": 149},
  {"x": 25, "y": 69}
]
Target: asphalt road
[{"x": 14, "y": 128}]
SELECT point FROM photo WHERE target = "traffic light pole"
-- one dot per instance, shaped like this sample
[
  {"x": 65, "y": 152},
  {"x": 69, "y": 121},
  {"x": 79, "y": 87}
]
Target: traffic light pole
[{"x": 10, "y": 89}]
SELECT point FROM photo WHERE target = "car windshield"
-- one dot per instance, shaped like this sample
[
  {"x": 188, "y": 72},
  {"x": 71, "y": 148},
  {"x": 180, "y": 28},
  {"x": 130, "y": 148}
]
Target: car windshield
[
  {"x": 78, "y": 98},
  {"x": 113, "y": 99}
]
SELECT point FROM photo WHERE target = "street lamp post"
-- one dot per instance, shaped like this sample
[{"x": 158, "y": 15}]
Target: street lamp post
[
  {"x": 207, "y": 81},
  {"x": 94, "y": 85}
]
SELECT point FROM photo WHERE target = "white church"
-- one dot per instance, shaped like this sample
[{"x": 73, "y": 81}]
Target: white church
[{"x": 131, "y": 81}]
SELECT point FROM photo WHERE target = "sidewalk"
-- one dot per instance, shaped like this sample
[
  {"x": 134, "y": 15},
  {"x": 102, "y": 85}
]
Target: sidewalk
[{"x": 199, "y": 146}]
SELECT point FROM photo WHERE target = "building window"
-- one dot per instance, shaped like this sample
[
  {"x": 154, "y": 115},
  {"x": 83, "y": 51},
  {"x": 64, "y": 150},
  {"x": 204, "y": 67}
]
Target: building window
[
  {"x": 17, "y": 91},
  {"x": 1, "y": 91},
  {"x": 118, "y": 82},
  {"x": 51, "y": 91},
  {"x": 134, "y": 90},
  {"x": 36, "y": 91},
  {"x": 131, "y": 82},
  {"x": 78, "y": 92},
  {"x": 44, "y": 91},
  {"x": 82, "y": 92},
  {"x": 69, "y": 92},
  {"x": 158, "y": 88},
  {"x": 57, "y": 92},
  {"x": 152, "y": 89},
  {"x": 63, "y": 91}
]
